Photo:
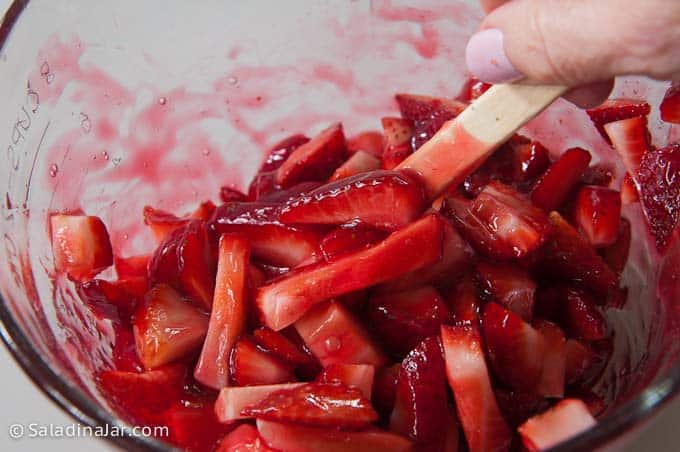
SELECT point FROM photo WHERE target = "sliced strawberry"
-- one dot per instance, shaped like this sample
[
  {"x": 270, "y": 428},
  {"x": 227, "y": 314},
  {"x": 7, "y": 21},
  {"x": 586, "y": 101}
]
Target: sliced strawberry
[
  {"x": 428, "y": 114},
  {"x": 100, "y": 295},
  {"x": 515, "y": 349},
  {"x": 385, "y": 390},
  {"x": 560, "y": 179},
  {"x": 631, "y": 139},
  {"x": 659, "y": 180},
  {"x": 597, "y": 213},
  {"x": 598, "y": 174},
  {"x": 472, "y": 89},
  {"x": 421, "y": 405},
  {"x": 500, "y": 222},
  {"x": 616, "y": 255},
  {"x": 265, "y": 179},
  {"x": 581, "y": 316},
  {"x": 132, "y": 266},
  {"x": 283, "y": 301},
  {"x": 615, "y": 110},
  {"x": 300, "y": 438},
  {"x": 670, "y": 106},
  {"x": 184, "y": 261},
  {"x": 483, "y": 425},
  {"x": 464, "y": 304},
  {"x": 287, "y": 195},
  {"x": 194, "y": 426},
  {"x": 228, "y": 315},
  {"x": 568, "y": 255},
  {"x": 384, "y": 199},
  {"x": 230, "y": 194},
  {"x": 315, "y": 160},
  {"x": 551, "y": 383},
  {"x": 250, "y": 365},
  {"x": 321, "y": 404},
  {"x": 403, "y": 320},
  {"x": 518, "y": 406},
  {"x": 163, "y": 223},
  {"x": 243, "y": 438},
  {"x": 166, "y": 327},
  {"x": 579, "y": 358},
  {"x": 530, "y": 159},
  {"x": 348, "y": 238},
  {"x": 370, "y": 141},
  {"x": 629, "y": 192},
  {"x": 360, "y": 162},
  {"x": 278, "y": 344},
  {"x": 80, "y": 245},
  {"x": 270, "y": 241},
  {"x": 510, "y": 286},
  {"x": 334, "y": 336},
  {"x": 398, "y": 137},
  {"x": 566, "y": 419},
  {"x": 232, "y": 400},
  {"x": 358, "y": 376}
]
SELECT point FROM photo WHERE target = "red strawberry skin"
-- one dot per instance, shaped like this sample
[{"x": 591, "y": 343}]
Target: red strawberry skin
[
  {"x": 250, "y": 365},
  {"x": 582, "y": 317},
  {"x": 283, "y": 301},
  {"x": 193, "y": 426},
  {"x": 360, "y": 162},
  {"x": 615, "y": 110},
  {"x": 384, "y": 199},
  {"x": 510, "y": 286},
  {"x": 559, "y": 180},
  {"x": 370, "y": 141},
  {"x": 319, "y": 404},
  {"x": 265, "y": 180},
  {"x": 398, "y": 137},
  {"x": 631, "y": 139},
  {"x": 243, "y": 438},
  {"x": 80, "y": 245},
  {"x": 472, "y": 89},
  {"x": 428, "y": 114},
  {"x": 230, "y": 194},
  {"x": 597, "y": 213},
  {"x": 670, "y": 106},
  {"x": 552, "y": 380},
  {"x": 278, "y": 344},
  {"x": 464, "y": 304},
  {"x": 348, "y": 238}
]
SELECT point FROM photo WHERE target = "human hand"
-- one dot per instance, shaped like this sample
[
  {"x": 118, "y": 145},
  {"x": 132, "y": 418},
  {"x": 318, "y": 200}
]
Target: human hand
[{"x": 579, "y": 43}]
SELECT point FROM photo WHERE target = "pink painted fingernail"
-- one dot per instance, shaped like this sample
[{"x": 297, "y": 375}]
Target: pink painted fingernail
[{"x": 486, "y": 59}]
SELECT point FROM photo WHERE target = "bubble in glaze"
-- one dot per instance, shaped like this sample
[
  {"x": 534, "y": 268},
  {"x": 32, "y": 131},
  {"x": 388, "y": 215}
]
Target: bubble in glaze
[
  {"x": 205, "y": 152},
  {"x": 233, "y": 80},
  {"x": 105, "y": 155},
  {"x": 332, "y": 343},
  {"x": 162, "y": 100},
  {"x": 54, "y": 169}
]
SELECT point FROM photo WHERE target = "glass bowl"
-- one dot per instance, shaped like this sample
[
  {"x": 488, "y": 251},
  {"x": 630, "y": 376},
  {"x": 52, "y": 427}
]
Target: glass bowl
[{"x": 111, "y": 106}]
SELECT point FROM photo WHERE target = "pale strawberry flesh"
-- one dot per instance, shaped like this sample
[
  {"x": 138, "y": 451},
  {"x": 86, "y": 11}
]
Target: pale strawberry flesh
[
  {"x": 398, "y": 136},
  {"x": 360, "y": 162},
  {"x": 370, "y": 141},
  {"x": 631, "y": 139},
  {"x": 232, "y": 400},
  {"x": 566, "y": 419},
  {"x": 597, "y": 213},
  {"x": 615, "y": 110},
  {"x": 251, "y": 365},
  {"x": 80, "y": 245},
  {"x": 360, "y": 376}
]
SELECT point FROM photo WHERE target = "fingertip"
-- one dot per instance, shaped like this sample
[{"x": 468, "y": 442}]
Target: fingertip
[
  {"x": 486, "y": 59},
  {"x": 591, "y": 95}
]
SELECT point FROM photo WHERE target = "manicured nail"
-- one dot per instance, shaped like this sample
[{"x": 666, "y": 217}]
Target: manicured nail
[{"x": 486, "y": 59}]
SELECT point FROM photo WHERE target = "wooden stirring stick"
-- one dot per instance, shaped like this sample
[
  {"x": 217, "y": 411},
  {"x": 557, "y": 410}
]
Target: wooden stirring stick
[{"x": 464, "y": 143}]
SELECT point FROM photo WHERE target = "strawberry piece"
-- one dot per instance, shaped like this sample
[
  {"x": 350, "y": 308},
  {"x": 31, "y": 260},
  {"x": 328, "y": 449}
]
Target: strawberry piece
[
  {"x": 279, "y": 345},
  {"x": 301, "y": 438},
  {"x": 616, "y": 110},
  {"x": 348, "y": 238},
  {"x": 166, "y": 327},
  {"x": 629, "y": 192},
  {"x": 335, "y": 337},
  {"x": 131, "y": 267},
  {"x": 250, "y": 365},
  {"x": 204, "y": 211},
  {"x": 483, "y": 425},
  {"x": 80, "y": 245},
  {"x": 568, "y": 255},
  {"x": 515, "y": 349},
  {"x": 284, "y": 301},
  {"x": 518, "y": 406},
  {"x": 581, "y": 317},
  {"x": 566, "y": 419},
  {"x": 228, "y": 315},
  {"x": 472, "y": 89},
  {"x": 659, "y": 181},
  {"x": 142, "y": 395},
  {"x": 265, "y": 180},
  {"x": 100, "y": 295},
  {"x": 398, "y": 136},
  {"x": 384, "y": 199},
  {"x": 315, "y": 160},
  {"x": 384, "y": 390},
  {"x": 597, "y": 212},
  {"x": 360, "y": 162},
  {"x": 616, "y": 255},
  {"x": 358, "y": 376},
  {"x": 184, "y": 261},
  {"x": 559, "y": 180},
  {"x": 530, "y": 159},
  {"x": 551, "y": 382},
  {"x": 579, "y": 358},
  {"x": 464, "y": 304},
  {"x": 370, "y": 142},
  {"x": 194, "y": 426},
  {"x": 500, "y": 222},
  {"x": 428, "y": 114},
  {"x": 421, "y": 405},
  {"x": 163, "y": 223},
  {"x": 670, "y": 105},
  {"x": 232, "y": 400},
  {"x": 403, "y": 320},
  {"x": 270, "y": 241},
  {"x": 243, "y": 438},
  {"x": 598, "y": 174},
  {"x": 230, "y": 194},
  {"x": 631, "y": 139},
  {"x": 510, "y": 286},
  {"x": 287, "y": 195},
  {"x": 319, "y": 404}
]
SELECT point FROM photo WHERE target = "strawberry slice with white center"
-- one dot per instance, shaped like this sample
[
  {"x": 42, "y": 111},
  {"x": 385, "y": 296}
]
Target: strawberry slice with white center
[
  {"x": 360, "y": 162},
  {"x": 334, "y": 336},
  {"x": 250, "y": 365},
  {"x": 500, "y": 222},
  {"x": 370, "y": 141},
  {"x": 510, "y": 286},
  {"x": 301, "y": 438},
  {"x": 483, "y": 425},
  {"x": 384, "y": 199},
  {"x": 597, "y": 212},
  {"x": 398, "y": 136},
  {"x": 285, "y": 300},
  {"x": 80, "y": 245},
  {"x": 315, "y": 160},
  {"x": 428, "y": 114},
  {"x": 631, "y": 139},
  {"x": 615, "y": 110},
  {"x": 233, "y": 399},
  {"x": 358, "y": 376},
  {"x": 166, "y": 327},
  {"x": 228, "y": 315},
  {"x": 560, "y": 179},
  {"x": 516, "y": 349},
  {"x": 243, "y": 438},
  {"x": 670, "y": 106},
  {"x": 321, "y": 404},
  {"x": 565, "y": 420},
  {"x": 551, "y": 383}
]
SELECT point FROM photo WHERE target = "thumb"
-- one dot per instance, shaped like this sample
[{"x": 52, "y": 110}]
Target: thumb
[{"x": 577, "y": 42}]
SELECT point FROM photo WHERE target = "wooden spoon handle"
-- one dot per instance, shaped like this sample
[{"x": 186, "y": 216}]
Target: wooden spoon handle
[{"x": 464, "y": 143}]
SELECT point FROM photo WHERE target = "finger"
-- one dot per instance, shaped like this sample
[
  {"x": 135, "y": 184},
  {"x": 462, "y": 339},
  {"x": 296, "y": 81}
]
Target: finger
[
  {"x": 490, "y": 5},
  {"x": 589, "y": 96}
]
